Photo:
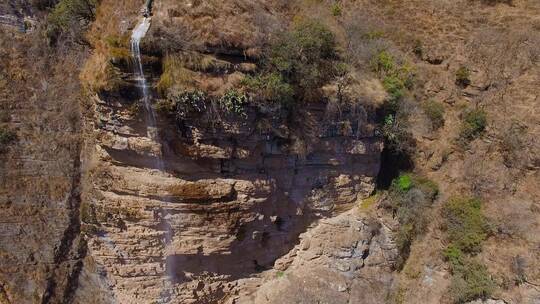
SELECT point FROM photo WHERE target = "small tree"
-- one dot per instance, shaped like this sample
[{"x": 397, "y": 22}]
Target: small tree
[
  {"x": 70, "y": 16},
  {"x": 304, "y": 57}
]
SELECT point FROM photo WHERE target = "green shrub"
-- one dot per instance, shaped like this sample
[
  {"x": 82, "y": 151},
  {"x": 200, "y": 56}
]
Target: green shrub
[
  {"x": 404, "y": 182},
  {"x": 396, "y": 89},
  {"x": 383, "y": 62},
  {"x": 435, "y": 112},
  {"x": 396, "y": 79},
  {"x": 463, "y": 76},
  {"x": 269, "y": 87},
  {"x": 234, "y": 102},
  {"x": 466, "y": 226},
  {"x": 474, "y": 123},
  {"x": 454, "y": 256},
  {"x": 189, "y": 102},
  {"x": 304, "y": 56},
  {"x": 6, "y": 138},
  {"x": 410, "y": 196},
  {"x": 70, "y": 15},
  {"x": 470, "y": 281},
  {"x": 336, "y": 10},
  {"x": 397, "y": 138}
]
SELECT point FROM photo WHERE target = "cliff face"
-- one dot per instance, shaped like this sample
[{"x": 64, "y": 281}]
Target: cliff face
[
  {"x": 243, "y": 202},
  {"x": 202, "y": 210}
]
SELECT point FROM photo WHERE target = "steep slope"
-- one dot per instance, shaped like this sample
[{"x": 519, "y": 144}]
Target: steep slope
[{"x": 40, "y": 167}]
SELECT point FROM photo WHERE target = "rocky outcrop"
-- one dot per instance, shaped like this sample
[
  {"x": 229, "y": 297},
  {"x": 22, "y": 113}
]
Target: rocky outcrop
[
  {"x": 231, "y": 201},
  {"x": 217, "y": 200},
  {"x": 344, "y": 259}
]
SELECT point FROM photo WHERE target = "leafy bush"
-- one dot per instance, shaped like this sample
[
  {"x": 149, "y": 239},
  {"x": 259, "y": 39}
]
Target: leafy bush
[
  {"x": 6, "y": 137},
  {"x": 409, "y": 197},
  {"x": 470, "y": 279},
  {"x": 234, "y": 102},
  {"x": 397, "y": 138},
  {"x": 304, "y": 56},
  {"x": 189, "y": 102},
  {"x": 473, "y": 125},
  {"x": 383, "y": 62},
  {"x": 463, "y": 76},
  {"x": 466, "y": 226},
  {"x": 403, "y": 183},
  {"x": 70, "y": 15},
  {"x": 435, "y": 112},
  {"x": 269, "y": 87}
]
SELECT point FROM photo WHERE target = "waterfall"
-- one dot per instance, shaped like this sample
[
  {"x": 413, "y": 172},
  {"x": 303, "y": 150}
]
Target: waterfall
[{"x": 151, "y": 123}]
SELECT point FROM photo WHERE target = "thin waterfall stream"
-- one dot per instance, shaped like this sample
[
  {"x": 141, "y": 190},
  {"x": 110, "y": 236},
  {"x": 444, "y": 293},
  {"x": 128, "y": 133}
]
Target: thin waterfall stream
[{"x": 139, "y": 32}]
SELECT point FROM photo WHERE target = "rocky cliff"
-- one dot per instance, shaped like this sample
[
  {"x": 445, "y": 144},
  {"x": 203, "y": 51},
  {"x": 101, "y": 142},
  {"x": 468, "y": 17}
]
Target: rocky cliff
[
  {"x": 236, "y": 198},
  {"x": 232, "y": 195}
]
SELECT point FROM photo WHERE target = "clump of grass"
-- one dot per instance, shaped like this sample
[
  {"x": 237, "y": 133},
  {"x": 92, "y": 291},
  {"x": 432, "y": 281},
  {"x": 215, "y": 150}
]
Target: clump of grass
[
  {"x": 175, "y": 76},
  {"x": 367, "y": 203},
  {"x": 336, "y": 10},
  {"x": 404, "y": 182},
  {"x": 373, "y": 35},
  {"x": 118, "y": 47},
  {"x": 435, "y": 112},
  {"x": 98, "y": 74}
]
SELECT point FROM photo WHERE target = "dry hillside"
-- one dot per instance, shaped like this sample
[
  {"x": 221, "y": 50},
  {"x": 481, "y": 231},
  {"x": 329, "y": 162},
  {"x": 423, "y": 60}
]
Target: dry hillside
[{"x": 306, "y": 151}]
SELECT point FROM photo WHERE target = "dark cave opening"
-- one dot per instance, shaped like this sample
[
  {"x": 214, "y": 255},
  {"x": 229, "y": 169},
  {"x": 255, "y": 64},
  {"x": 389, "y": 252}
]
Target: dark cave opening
[{"x": 392, "y": 163}]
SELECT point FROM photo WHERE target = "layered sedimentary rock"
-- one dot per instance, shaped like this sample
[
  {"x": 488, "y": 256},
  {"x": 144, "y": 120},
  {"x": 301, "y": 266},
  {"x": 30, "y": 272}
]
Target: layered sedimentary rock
[
  {"x": 233, "y": 193},
  {"x": 232, "y": 199}
]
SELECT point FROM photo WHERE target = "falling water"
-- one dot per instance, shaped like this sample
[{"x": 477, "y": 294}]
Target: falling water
[{"x": 138, "y": 33}]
